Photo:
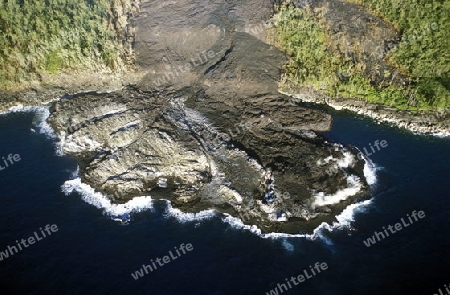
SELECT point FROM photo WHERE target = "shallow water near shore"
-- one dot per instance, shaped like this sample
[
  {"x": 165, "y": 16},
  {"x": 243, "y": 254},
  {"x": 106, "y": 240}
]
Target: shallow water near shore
[{"x": 92, "y": 254}]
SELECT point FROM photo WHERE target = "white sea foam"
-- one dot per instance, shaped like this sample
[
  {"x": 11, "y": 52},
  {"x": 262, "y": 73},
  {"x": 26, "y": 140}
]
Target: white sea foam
[
  {"x": 100, "y": 201},
  {"x": 347, "y": 161},
  {"x": 288, "y": 246},
  {"x": 15, "y": 109},
  {"x": 344, "y": 221},
  {"x": 236, "y": 223},
  {"x": 370, "y": 171},
  {"x": 327, "y": 160},
  {"x": 441, "y": 134},
  {"x": 39, "y": 121},
  {"x": 354, "y": 186},
  {"x": 188, "y": 217}
]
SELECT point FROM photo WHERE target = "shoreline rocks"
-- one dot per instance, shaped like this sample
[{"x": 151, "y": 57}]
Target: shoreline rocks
[{"x": 423, "y": 124}]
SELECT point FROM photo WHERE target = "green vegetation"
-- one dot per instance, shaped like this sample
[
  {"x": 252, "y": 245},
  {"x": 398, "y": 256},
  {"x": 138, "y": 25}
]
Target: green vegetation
[
  {"x": 424, "y": 58},
  {"x": 425, "y": 27},
  {"x": 47, "y": 36}
]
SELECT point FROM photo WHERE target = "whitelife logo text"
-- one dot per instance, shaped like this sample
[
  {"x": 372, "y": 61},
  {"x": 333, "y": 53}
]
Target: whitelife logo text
[{"x": 47, "y": 231}]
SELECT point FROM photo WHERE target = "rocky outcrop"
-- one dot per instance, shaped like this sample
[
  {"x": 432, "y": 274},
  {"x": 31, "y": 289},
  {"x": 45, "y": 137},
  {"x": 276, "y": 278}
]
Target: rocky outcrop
[{"x": 206, "y": 126}]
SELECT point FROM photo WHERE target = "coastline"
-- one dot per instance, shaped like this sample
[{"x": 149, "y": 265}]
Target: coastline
[
  {"x": 352, "y": 31},
  {"x": 64, "y": 84},
  {"x": 128, "y": 114},
  {"x": 419, "y": 124}
]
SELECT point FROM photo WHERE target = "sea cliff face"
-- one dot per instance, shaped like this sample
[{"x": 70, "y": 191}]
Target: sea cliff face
[{"x": 206, "y": 126}]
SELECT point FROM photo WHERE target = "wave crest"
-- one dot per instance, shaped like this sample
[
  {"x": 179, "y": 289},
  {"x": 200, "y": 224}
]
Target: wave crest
[{"x": 100, "y": 201}]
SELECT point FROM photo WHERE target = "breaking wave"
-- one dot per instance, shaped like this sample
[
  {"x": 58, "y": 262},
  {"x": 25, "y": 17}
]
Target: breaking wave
[
  {"x": 41, "y": 115},
  {"x": 100, "y": 201},
  {"x": 344, "y": 221},
  {"x": 188, "y": 217}
]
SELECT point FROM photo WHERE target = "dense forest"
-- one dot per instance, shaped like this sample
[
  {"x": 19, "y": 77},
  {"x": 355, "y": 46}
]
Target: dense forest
[
  {"x": 46, "y": 36},
  {"x": 422, "y": 54}
]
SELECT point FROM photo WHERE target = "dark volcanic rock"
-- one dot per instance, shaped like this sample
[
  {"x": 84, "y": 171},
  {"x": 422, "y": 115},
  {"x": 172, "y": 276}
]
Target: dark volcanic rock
[{"x": 207, "y": 128}]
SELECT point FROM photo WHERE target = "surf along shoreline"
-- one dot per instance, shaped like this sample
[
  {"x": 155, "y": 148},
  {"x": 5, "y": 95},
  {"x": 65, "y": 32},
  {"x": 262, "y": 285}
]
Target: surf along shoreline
[{"x": 419, "y": 124}]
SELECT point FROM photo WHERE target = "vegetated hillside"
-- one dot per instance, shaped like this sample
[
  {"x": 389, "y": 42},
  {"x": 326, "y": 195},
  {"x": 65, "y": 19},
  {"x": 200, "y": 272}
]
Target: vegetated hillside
[
  {"x": 46, "y": 36},
  {"x": 422, "y": 55},
  {"x": 425, "y": 27}
]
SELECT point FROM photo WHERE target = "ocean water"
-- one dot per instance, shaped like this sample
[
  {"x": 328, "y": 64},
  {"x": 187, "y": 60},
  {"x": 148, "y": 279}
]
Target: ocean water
[{"x": 93, "y": 254}]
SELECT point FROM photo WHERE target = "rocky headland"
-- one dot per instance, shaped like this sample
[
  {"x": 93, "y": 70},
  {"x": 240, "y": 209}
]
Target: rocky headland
[
  {"x": 206, "y": 126},
  {"x": 202, "y": 122}
]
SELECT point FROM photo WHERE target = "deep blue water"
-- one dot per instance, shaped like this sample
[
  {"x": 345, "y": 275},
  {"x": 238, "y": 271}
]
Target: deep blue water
[{"x": 91, "y": 254}]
